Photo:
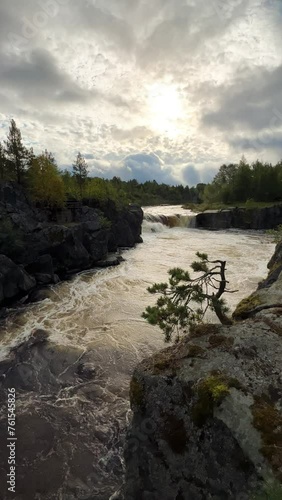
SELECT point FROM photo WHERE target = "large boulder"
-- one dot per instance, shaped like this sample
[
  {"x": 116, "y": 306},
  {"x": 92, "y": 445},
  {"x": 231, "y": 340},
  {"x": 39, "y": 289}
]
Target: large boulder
[
  {"x": 15, "y": 282},
  {"x": 207, "y": 412},
  {"x": 207, "y": 415},
  {"x": 268, "y": 293}
]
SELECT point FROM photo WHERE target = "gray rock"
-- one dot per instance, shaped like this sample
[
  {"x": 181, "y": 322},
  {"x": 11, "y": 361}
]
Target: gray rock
[
  {"x": 241, "y": 218},
  {"x": 188, "y": 441},
  {"x": 14, "y": 280}
]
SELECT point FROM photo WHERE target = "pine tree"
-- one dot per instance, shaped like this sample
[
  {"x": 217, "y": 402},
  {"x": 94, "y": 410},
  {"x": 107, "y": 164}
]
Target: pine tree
[
  {"x": 80, "y": 172},
  {"x": 184, "y": 300},
  {"x": 17, "y": 154},
  {"x": 3, "y": 163}
]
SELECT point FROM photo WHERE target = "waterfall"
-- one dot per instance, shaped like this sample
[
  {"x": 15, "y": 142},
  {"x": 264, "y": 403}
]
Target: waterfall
[{"x": 177, "y": 220}]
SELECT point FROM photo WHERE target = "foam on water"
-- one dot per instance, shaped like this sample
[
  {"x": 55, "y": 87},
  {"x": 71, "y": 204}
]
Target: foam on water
[
  {"x": 100, "y": 311},
  {"x": 105, "y": 306}
]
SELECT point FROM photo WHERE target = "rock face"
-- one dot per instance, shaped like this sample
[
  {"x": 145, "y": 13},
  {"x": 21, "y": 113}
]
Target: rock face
[
  {"x": 269, "y": 292},
  {"x": 48, "y": 249},
  {"x": 14, "y": 281},
  {"x": 241, "y": 218},
  {"x": 208, "y": 411}
]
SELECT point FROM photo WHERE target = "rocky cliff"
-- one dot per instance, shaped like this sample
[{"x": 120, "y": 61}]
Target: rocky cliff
[
  {"x": 207, "y": 412},
  {"x": 241, "y": 218},
  {"x": 39, "y": 247}
]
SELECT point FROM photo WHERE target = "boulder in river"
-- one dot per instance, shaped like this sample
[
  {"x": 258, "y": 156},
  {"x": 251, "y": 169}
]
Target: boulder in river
[{"x": 15, "y": 282}]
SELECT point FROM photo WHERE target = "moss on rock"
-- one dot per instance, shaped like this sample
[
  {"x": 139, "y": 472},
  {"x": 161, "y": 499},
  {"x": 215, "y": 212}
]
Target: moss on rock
[
  {"x": 203, "y": 329},
  {"x": 221, "y": 341},
  {"x": 246, "y": 306},
  {"x": 268, "y": 421},
  {"x": 210, "y": 392}
]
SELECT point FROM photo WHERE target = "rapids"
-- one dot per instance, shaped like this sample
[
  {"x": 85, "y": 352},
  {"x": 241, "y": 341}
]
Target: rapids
[{"x": 100, "y": 310}]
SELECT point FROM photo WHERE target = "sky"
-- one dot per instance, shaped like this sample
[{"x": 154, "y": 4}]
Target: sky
[{"x": 146, "y": 89}]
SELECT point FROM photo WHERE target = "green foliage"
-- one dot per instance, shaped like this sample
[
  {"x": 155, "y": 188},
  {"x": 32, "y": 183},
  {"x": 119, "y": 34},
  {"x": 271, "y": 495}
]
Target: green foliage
[
  {"x": 276, "y": 234},
  {"x": 272, "y": 490},
  {"x": 3, "y": 163},
  {"x": 45, "y": 183},
  {"x": 235, "y": 183},
  {"x": 80, "y": 172},
  {"x": 184, "y": 300},
  {"x": 18, "y": 157},
  {"x": 105, "y": 223}
]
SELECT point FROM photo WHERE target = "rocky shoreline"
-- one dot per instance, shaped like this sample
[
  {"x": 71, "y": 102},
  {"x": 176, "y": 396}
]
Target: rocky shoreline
[
  {"x": 208, "y": 411},
  {"x": 240, "y": 218},
  {"x": 39, "y": 247}
]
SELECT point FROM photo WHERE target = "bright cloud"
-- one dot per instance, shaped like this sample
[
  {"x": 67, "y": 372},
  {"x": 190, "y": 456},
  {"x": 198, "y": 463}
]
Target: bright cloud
[{"x": 153, "y": 90}]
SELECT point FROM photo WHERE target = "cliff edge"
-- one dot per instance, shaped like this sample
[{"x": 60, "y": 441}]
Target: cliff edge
[{"x": 207, "y": 412}]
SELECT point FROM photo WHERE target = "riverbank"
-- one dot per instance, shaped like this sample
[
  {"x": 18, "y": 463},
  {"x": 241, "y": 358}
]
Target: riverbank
[
  {"x": 207, "y": 411},
  {"x": 240, "y": 218},
  {"x": 39, "y": 247},
  {"x": 73, "y": 427}
]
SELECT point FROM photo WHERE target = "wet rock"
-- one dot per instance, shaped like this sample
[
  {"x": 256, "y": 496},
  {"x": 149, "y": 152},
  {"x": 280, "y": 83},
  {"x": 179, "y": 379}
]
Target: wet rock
[
  {"x": 241, "y": 218},
  {"x": 111, "y": 261},
  {"x": 39, "y": 294},
  {"x": 47, "y": 248},
  {"x": 14, "y": 280},
  {"x": 86, "y": 370}
]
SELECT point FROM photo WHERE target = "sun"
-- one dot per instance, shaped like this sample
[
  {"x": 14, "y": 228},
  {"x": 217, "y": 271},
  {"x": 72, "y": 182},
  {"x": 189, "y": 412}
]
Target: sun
[{"x": 165, "y": 109}]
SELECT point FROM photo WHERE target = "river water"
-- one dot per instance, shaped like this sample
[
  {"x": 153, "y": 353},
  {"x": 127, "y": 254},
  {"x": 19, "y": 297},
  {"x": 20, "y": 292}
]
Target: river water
[{"x": 101, "y": 310}]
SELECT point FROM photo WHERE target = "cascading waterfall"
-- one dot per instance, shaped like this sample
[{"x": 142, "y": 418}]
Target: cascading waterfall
[{"x": 177, "y": 220}]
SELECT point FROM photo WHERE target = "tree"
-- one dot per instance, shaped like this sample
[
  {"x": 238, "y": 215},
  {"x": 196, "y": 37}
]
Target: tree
[
  {"x": 49, "y": 157},
  {"x": 184, "y": 300},
  {"x": 80, "y": 172},
  {"x": 18, "y": 155},
  {"x": 45, "y": 183},
  {"x": 3, "y": 163}
]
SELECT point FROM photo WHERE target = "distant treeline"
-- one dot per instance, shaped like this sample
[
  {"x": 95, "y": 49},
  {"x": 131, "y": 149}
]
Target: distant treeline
[
  {"x": 47, "y": 185},
  {"x": 245, "y": 182}
]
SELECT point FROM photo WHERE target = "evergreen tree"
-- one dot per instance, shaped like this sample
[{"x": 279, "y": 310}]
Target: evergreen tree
[
  {"x": 80, "y": 171},
  {"x": 3, "y": 163},
  {"x": 184, "y": 300},
  {"x": 19, "y": 157}
]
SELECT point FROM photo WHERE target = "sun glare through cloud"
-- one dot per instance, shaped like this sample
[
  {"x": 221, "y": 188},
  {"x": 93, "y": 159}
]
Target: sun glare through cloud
[{"x": 165, "y": 109}]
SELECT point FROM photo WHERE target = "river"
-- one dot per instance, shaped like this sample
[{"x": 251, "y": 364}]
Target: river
[{"x": 100, "y": 310}]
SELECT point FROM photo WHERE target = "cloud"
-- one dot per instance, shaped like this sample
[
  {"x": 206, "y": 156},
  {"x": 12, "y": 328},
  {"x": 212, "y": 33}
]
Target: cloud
[
  {"x": 37, "y": 77},
  {"x": 253, "y": 101},
  {"x": 77, "y": 76},
  {"x": 264, "y": 141},
  {"x": 140, "y": 166}
]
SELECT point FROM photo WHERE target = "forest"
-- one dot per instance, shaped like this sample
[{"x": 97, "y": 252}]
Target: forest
[{"x": 50, "y": 186}]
